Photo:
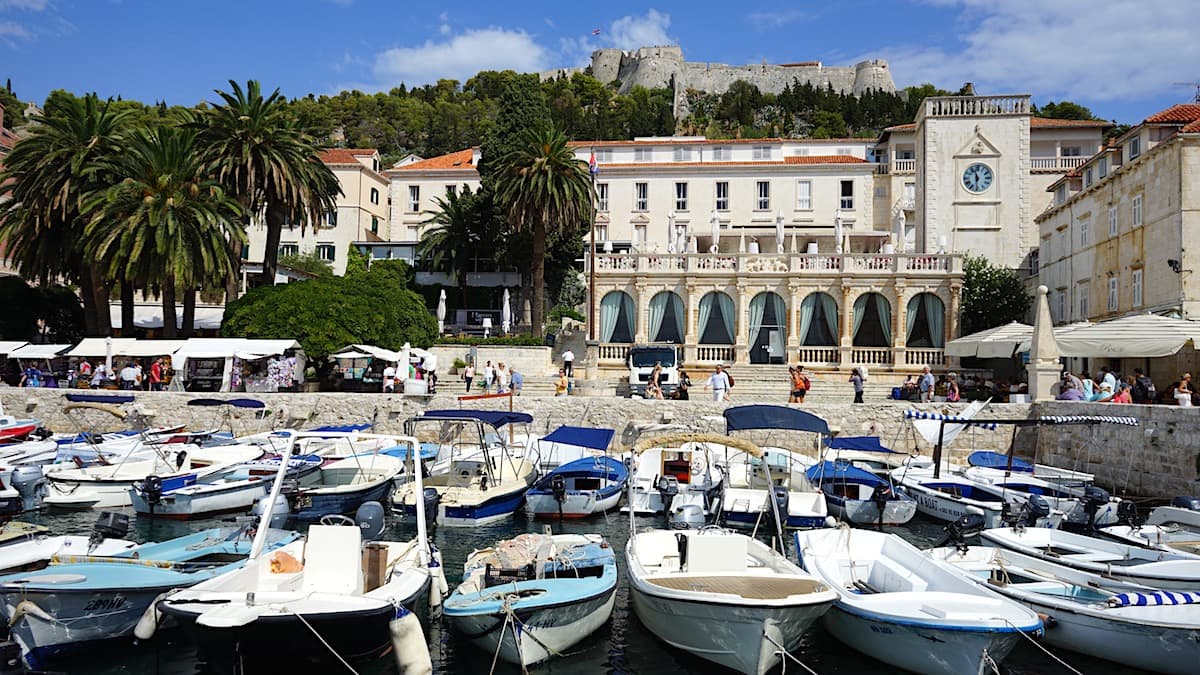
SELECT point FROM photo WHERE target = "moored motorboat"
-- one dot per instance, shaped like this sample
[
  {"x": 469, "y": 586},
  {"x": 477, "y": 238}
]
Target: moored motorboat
[
  {"x": 672, "y": 471},
  {"x": 13, "y": 429},
  {"x": 534, "y": 596},
  {"x": 1002, "y": 464},
  {"x": 578, "y": 489},
  {"x": 898, "y": 606},
  {"x": 230, "y": 490},
  {"x": 950, "y": 497},
  {"x": 861, "y": 497},
  {"x": 722, "y": 596},
  {"x": 37, "y": 547},
  {"x": 1088, "y": 613}
]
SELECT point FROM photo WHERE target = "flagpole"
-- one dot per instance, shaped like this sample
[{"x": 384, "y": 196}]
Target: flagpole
[{"x": 592, "y": 254}]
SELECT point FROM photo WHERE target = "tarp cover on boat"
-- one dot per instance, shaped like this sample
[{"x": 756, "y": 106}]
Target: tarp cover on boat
[
  {"x": 995, "y": 460},
  {"x": 862, "y": 443},
  {"x": 338, "y": 428},
  {"x": 496, "y": 418},
  {"x": 957, "y": 419},
  {"x": 844, "y": 472},
  {"x": 235, "y": 402},
  {"x": 100, "y": 398},
  {"x": 603, "y": 466},
  {"x": 597, "y": 439},
  {"x": 746, "y": 417}
]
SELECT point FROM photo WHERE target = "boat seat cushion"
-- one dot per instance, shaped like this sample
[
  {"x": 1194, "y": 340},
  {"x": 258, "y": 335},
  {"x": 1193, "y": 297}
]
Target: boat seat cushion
[
  {"x": 708, "y": 553},
  {"x": 333, "y": 560}
]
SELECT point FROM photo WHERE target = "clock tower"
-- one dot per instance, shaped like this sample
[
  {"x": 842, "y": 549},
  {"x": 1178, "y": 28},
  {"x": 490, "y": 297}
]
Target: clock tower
[{"x": 973, "y": 186}]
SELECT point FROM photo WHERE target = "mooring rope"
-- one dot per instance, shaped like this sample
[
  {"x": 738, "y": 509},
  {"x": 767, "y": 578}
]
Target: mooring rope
[
  {"x": 327, "y": 645},
  {"x": 785, "y": 655},
  {"x": 1039, "y": 645}
]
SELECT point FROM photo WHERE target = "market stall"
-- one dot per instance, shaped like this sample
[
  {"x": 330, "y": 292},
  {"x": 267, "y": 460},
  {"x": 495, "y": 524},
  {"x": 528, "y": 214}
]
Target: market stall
[{"x": 238, "y": 364}]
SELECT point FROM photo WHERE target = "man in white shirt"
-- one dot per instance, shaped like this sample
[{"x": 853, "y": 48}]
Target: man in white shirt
[
  {"x": 568, "y": 358},
  {"x": 489, "y": 376},
  {"x": 501, "y": 380},
  {"x": 129, "y": 376},
  {"x": 1109, "y": 380},
  {"x": 719, "y": 383},
  {"x": 389, "y": 379}
]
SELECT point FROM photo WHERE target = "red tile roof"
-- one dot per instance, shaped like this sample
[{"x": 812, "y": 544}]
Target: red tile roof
[
  {"x": 345, "y": 155},
  {"x": 1193, "y": 128},
  {"x": 1184, "y": 112},
  {"x": 902, "y": 127},
  {"x": 455, "y": 160},
  {"x": 1052, "y": 123}
]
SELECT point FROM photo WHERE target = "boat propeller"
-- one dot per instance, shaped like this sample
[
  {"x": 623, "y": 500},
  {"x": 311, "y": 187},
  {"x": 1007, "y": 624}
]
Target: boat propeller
[
  {"x": 957, "y": 531},
  {"x": 558, "y": 487}
]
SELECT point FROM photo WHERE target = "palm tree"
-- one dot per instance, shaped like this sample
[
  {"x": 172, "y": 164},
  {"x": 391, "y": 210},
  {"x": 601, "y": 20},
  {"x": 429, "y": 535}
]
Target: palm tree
[
  {"x": 257, "y": 149},
  {"x": 456, "y": 236},
  {"x": 546, "y": 190},
  {"x": 52, "y": 171},
  {"x": 166, "y": 222}
]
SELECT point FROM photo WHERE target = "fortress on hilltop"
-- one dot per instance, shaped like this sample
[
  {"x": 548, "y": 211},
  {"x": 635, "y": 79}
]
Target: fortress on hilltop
[{"x": 657, "y": 67}]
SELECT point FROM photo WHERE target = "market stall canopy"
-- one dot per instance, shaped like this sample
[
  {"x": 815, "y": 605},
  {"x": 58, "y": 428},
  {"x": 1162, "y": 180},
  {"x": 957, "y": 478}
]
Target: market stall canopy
[
  {"x": 368, "y": 351},
  {"x": 38, "y": 351},
  {"x": 1137, "y": 336},
  {"x": 215, "y": 348},
  {"x": 998, "y": 342},
  {"x": 9, "y": 347},
  {"x": 151, "y": 316},
  {"x": 352, "y": 355},
  {"x": 96, "y": 347}
]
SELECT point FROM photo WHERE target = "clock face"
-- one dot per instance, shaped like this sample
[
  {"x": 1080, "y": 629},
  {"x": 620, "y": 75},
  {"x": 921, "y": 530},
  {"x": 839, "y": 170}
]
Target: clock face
[{"x": 977, "y": 178}]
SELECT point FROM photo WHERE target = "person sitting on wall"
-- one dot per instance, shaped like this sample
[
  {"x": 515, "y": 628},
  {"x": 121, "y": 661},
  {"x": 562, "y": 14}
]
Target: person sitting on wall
[{"x": 1068, "y": 392}]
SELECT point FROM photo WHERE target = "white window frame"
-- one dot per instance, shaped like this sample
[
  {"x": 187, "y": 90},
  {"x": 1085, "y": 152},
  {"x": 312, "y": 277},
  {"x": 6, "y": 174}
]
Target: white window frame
[
  {"x": 1114, "y": 289},
  {"x": 414, "y": 198},
  {"x": 1062, "y": 305},
  {"x": 1137, "y": 287},
  {"x": 1082, "y": 294},
  {"x": 762, "y": 194},
  {"x": 846, "y": 203},
  {"x": 804, "y": 195},
  {"x": 604, "y": 155},
  {"x": 762, "y": 152},
  {"x": 683, "y": 153},
  {"x": 720, "y": 153},
  {"x": 1071, "y": 151},
  {"x": 1135, "y": 147},
  {"x": 1102, "y": 168},
  {"x": 331, "y": 218},
  {"x": 681, "y": 196},
  {"x": 1088, "y": 177},
  {"x": 1085, "y": 233},
  {"x": 1137, "y": 210},
  {"x": 601, "y": 232},
  {"x": 601, "y": 196},
  {"x": 321, "y": 249},
  {"x": 642, "y": 154},
  {"x": 374, "y": 195},
  {"x": 289, "y": 249},
  {"x": 641, "y": 196},
  {"x": 1113, "y": 225},
  {"x": 845, "y": 152},
  {"x": 722, "y": 193}
]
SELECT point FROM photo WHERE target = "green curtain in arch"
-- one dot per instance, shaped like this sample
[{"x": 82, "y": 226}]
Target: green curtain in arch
[
  {"x": 935, "y": 316},
  {"x": 677, "y": 305},
  {"x": 860, "y": 311},
  {"x": 611, "y": 307},
  {"x": 758, "y": 308},
  {"x": 726, "y": 304},
  {"x": 831, "y": 315},
  {"x": 630, "y": 313},
  {"x": 885, "y": 317},
  {"x": 910, "y": 316},
  {"x": 706, "y": 304},
  {"x": 658, "y": 308},
  {"x": 808, "y": 307}
]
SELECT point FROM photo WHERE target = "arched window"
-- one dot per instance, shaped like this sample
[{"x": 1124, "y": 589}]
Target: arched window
[
  {"x": 925, "y": 321},
  {"x": 768, "y": 328},
  {"x": 872, "y": 321},
  {"x": 666, "y": 318},
  {"x": 716, "y": 319},
  {"x": 618, "y": 318},
  {"x": 818, "y": 320}
]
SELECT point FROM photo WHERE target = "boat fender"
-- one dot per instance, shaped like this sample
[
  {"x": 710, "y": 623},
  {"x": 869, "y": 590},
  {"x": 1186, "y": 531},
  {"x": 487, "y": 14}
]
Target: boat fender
[
  {"x": 1047, "y": 620},
  {"x": 180, "y": 457},
  {"x": 438, "y": 586},
  {"x": 28, "y": 607},
  {"x": 408, "y": 643},
  {"x": 151, "y": 618},
  {"x": 681, "y": 542}
]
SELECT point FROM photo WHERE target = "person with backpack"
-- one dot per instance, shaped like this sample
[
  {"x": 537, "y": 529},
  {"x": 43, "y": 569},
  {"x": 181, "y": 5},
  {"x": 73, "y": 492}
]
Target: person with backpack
[
  {"x": 1143, "y": 388},
  {"x": 800, "y": 384}
]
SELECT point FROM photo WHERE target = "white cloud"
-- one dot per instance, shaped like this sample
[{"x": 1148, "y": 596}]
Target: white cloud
[
  {"x": 27, "y": 5},
  {"x": 461, "y": 56},
  {"x": 444, "y": 29},
  {"x": 631, "y": 32},
  {"x": 778, "y": 19},
  {"x": 12, "y": 29},
  {"x": 1078, "y": 49}
]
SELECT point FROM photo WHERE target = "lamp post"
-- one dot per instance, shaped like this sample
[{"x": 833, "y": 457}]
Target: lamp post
[{"x": 593, "y": 169}]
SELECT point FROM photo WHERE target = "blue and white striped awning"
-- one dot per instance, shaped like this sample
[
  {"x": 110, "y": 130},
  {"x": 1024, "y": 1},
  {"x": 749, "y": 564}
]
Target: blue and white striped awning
[
  {"x": 956, "y": 419},
  {"x": 1089, "y": 419},
  {"x": 1156, "y": 598}
]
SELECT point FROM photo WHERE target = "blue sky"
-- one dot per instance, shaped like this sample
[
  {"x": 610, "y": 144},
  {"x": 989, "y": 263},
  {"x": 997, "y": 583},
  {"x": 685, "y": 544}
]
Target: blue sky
[{"x": 1119, "y": 58}]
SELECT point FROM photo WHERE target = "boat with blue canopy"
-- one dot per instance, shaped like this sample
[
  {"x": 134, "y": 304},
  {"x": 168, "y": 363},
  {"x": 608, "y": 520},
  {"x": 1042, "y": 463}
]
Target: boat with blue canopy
[
  {"x": 581, "y": 487},
  {"x": 859, "y": 496}
]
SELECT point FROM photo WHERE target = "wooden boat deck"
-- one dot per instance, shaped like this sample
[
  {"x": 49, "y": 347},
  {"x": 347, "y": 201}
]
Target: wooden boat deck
[{"x": 751, "y": 588}]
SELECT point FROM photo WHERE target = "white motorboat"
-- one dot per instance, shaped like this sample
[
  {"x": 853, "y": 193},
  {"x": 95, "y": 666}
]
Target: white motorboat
[
  {"x": 230, "y": 490},
  {"x": 859, "y": 496},
  {"x": 1087, "y": 506},
  {"x": 673, "y": 471},
  {"x": 951, "y": 497},
  {"x": 1091, "y": 614},
  {"x": 535, "y": 596},
  {"x": 898, "y": 606},
  {"x": 37, "y": 550},
  {"x": 1171, "y": 538},
  {"x": 581, "y": 479},
  {"x": 1183, "y": 511},
  {"x": 998, "y": 463},
  {"x": 478, "y": 480},
  {"x": 722, "y": 596},
  {"x": 1115, "y": 560}
]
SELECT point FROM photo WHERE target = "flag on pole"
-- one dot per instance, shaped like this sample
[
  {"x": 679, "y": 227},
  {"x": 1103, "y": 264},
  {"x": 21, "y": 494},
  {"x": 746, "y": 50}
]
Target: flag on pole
[
  {"x": 593, "y": 167},
  {"x": 595, "y": 31}
]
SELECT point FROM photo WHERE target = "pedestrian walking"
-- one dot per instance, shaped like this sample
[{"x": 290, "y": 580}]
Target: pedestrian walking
[
  {"x": 389, "y": 379},
  {"x": 1143, "y": 388},
  {"x": 926, "y": 384},
  {"x": 568, "y": 359},
  {"x": 718, "y": 382},
  {"x": 685, "y": 383},
  {"x": 857, "y": 381},
  {"x": 489, "y": 376},
  {"x": 156, "y": 375},
  {"x": 518, "y": 381},
  {"x": 501, "y": 379},
  {"x": 468, "y": 376},
  {"x": 560, "y": 384},
  {"x": 800, "y": 385}
]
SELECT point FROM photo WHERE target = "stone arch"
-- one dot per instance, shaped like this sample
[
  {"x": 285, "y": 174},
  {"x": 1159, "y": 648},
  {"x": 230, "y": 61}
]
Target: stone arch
[
  {"x": 925, "y": 321},
  {"x": 872, "y": 321},
  {"x": 818, "y": 326},
  {"x": 768, "y": 328},
  {"x": 716, "y": 322},
  {"x": 665, "y": 317},
  {"x": 618, "y": 317}
]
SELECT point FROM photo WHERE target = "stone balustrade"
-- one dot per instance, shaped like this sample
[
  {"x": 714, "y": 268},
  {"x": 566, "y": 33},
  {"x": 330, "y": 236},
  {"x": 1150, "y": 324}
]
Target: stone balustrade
[
  {"x": 975, "y": 106},
  {"x": 1055, "y": 164},
  {"x": 831, "y": 264}
]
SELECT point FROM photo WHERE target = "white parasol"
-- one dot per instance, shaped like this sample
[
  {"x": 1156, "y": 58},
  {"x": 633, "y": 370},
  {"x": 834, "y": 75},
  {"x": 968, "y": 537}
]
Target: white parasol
[
  {"x": 715, "y": 221},
  {"x": 900, "y": 222},
  {"x": 506, "y": 314},
  {"x": 779, "y": 231},
  {"x": 108, "y": 357},
  {"x": 441, "y": 312},
  {"x": 837, "y": 234}
]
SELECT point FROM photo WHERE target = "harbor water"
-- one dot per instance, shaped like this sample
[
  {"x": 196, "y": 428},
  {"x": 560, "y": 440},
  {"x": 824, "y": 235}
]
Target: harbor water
[{"x": 621, "y": 646}]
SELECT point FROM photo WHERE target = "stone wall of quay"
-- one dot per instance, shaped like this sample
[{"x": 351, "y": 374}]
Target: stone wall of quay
[{"x": 1157, "y": 459}]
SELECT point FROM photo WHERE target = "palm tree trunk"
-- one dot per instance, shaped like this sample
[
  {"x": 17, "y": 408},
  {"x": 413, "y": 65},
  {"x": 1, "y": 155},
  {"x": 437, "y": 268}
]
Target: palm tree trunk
[
  {"x": 189, "y": 311},
  {"x": 275, "y": 218},
  {"x": 126, "y": 308},
  {"x": 89, "y": 303},
  {"x": 170, "y": 326},
  {"x": 233, "y": 282},
  {"x": 462, "y": 289},
  {"x": 539, "y": 277},
  {"x": 94, "y": 293}
]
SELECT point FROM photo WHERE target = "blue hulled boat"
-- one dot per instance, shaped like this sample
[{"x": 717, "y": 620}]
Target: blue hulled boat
[
  {"x": 858, "y": 496},
  {"x": 578, "y": 489}
]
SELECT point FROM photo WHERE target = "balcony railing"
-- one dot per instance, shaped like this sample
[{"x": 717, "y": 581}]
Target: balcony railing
[
  {"x": 613, "y": 353},
  {"x": 1055, "y": 163},
  {"x": 818, "y": 355},
  {"x": 904, "y": 166},
  {"x": 871, "y": 356},
  {"x": 962, "y": 106},
  {"x": 821, "y": 264},
  {"x": 925, "y": 357},
  {"x": 714, "y": 353}
]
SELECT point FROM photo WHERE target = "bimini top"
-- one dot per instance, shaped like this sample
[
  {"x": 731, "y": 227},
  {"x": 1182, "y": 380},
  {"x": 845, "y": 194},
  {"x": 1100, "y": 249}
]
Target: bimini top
[
  {"x": 841, "y": 472},
  {"x": 861, "y": 443},
  {"x": 746, "y": 417},
  {"x": 995, "y": 460},
  {"x": 496, "y": 418},
  {"x": 100, "y": 398},
  {"x": 584, "y": 437},
  {"x": 338, "y": 428},
  {"x": 235, "y": 402}
]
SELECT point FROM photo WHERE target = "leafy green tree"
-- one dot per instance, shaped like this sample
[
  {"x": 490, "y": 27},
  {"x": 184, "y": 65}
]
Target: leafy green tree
[
  {"x": 309, "y": 262},
  {"x": 259, "y": 151},
  {"x": 992, "y": 295},
  {"x": 165, "y": 221},
  {"x": 828, "y": 125},
  {"x": 573, "y": 292},
  {"x": 47, "y": 176},
  {"x": 14, "y": 110},
  {"x": 455, "y": 237},
  {"x": 739, "y": 102},
  {"x": 544, "y": 189},
  {"x": 1064, "y": 110}
]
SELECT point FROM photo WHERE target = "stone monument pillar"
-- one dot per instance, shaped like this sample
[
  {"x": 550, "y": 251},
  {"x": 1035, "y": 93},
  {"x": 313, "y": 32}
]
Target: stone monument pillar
[{"x": 1044, "y": 369}]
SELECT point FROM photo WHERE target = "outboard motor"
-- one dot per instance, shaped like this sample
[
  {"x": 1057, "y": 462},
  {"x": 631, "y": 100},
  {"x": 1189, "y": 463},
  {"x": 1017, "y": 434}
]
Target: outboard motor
[
  {"x": 880, "y": 496},
  {"x": 30, "y": 483},
  {"x": 1094, "y": 498},
  {"x": 668, "y": 487},
  {"x": 1034, "y": 509},
  {"x": 957, "y": 531},
  {"x": 1186, "y": 502},
  {"x": 681, "y": 545},
  {"x": 432, "y": 499},
  {"x": 152, "y": 491},
  {"x": 780, "y": 498},
  {"x": 109, "y": 525},
  {"x": 370, "y": 520},
  {"x": 281, "y": 510},
  {"x": 688, "y": 517},
  {"x": 1127, "y": 514},
  {"x": 180, "y": 458},
  {"x": 558, "y": 487}
]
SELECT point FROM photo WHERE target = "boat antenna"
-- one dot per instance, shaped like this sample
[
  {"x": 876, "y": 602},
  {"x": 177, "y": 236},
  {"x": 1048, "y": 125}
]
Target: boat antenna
[
  {"x": 774, "y": 504},
  {"x": 419, "y": 503},
  {"x": 264, "y": 522}
]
